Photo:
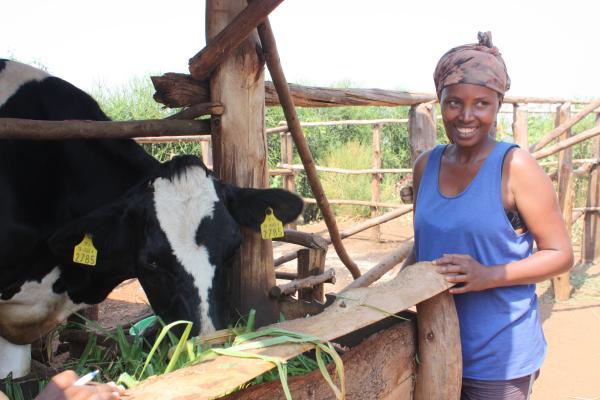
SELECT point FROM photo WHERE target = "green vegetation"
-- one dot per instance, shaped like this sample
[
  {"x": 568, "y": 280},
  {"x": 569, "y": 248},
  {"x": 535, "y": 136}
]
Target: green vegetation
[
  {"x": 131, "y": 359},
  {"x": 342, "y": 146}
]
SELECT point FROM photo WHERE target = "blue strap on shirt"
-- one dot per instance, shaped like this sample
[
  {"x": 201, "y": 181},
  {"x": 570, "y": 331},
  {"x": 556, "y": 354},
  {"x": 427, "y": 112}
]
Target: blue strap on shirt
[{"x": 500, "y": 330}]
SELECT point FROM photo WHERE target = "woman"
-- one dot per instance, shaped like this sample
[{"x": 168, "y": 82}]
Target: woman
[{"x": 479, "y": 206}]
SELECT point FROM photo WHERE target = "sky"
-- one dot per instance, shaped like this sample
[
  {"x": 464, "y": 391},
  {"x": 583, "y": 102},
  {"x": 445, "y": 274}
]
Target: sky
[{"x": 550, "y": 46}]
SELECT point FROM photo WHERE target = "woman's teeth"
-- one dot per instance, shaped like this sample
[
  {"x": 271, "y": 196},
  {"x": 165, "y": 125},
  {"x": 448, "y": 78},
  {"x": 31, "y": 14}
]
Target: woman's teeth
[{"x": 465, "y": 131}]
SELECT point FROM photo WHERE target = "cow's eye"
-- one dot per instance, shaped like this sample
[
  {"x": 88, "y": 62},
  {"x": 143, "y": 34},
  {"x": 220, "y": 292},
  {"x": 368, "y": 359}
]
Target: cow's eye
[{"x": 150, "y": 264}]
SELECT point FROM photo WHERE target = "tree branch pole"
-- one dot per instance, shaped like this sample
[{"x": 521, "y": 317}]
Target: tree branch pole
[
  {"x": 382, "y": 267},
  {"x": 221, "y": 46},
  {"x": 15, "y": 128},
  {"x": 573, "y": 140},
  {"x": 556, "y": 132},
  {"x": 272, "y": 58}
]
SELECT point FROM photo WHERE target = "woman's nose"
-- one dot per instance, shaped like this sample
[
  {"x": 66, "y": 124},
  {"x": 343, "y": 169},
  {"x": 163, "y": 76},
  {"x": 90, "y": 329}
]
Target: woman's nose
[{"x": 467, "y": 114}]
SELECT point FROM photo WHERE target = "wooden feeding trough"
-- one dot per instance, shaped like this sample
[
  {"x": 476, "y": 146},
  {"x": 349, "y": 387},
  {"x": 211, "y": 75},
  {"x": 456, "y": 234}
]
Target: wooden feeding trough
[{"x": 382, "y": 366}]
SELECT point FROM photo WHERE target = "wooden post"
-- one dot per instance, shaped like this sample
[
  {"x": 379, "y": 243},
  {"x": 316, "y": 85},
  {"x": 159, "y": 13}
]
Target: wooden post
[
  {"x": 562, "y": 286},
  {"x": 376, "y": 180},
  {"x": 591, "y": 229},
  {"x": 239, "y": 151},
  {"x": 287, "y": 157},
  {"x": 519, "y": 127},
  {"x": 439, "y": 373},
  {"x": 207, "y": 155},
  {"x": 311, "y": 262},
  {"x": 422, "y": 129}
]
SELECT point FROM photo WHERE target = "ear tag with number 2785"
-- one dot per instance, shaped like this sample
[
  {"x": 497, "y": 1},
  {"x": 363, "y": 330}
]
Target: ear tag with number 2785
[
  {"x": 85, "y": 252},
  {"x": 271, "y": 227}
]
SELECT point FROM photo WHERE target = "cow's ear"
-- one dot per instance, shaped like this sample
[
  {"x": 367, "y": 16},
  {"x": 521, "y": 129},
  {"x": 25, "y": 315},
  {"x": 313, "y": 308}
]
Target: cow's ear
[
  {"x": 110, "y": 228},
  {"x": 249, "y": 206}
]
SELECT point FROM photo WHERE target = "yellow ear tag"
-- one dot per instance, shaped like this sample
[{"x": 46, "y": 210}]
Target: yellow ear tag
[
  {"x": 85, "y": 252},
  {"x": 271, "y": 227}
]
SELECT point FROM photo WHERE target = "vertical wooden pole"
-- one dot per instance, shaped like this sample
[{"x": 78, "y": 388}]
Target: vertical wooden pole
[
  {"x": 311, "y": 262},
  {"x": 439, "y": 373},
  {"x": 562, "y": 286},
  {"x": 422, "y": 129},
  {"x": 207, "y": 156},
  {"x": 591, "y": 229},
  {"x": 240, "y": 155},
  {"x": 287, "y": 157},
  {"x": 376, "y": 180},
  {"x": 519, "y": 127}
]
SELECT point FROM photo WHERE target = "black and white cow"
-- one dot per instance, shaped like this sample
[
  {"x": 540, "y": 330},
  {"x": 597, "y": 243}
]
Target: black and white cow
[{"x": 173, "y": 225}]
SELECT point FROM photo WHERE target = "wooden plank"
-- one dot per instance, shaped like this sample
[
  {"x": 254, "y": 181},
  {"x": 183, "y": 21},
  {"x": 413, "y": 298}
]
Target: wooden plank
[
  {"x": 240, "y": 154},
  {"x": 221, "y": 46},
  {"x": 561, "y": 284},
  {"x": 359, "y": 308},
  {"x": 376, "y": 179},
  {"x": 381, "y": 367},
  {"x": 16, "y": 128},
  {"x": 591, "y": 227}
]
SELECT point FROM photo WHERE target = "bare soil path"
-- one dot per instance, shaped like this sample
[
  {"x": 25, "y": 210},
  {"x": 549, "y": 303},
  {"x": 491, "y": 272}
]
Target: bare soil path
[{"x": 572, "y": 328}]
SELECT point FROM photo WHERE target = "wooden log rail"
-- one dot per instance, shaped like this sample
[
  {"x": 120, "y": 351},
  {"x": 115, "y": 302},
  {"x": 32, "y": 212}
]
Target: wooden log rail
[
  {"x": 296, "y": 167},
  {"x": 15, "y": 128},
  {"x": 295, "y": 285},
  {"x": 354, "y": 230},
  {"x": 365, "y": 203},
  {"x": 565, "y": 125},
  {"x": 349, "y": 122},
  {"x": 382, "y": 267},
  {"x": 228, "y": 39}
]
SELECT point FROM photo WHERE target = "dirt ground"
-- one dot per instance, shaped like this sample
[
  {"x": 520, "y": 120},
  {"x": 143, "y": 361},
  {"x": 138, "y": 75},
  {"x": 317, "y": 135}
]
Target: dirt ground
[{"x": 572, "y": 328}]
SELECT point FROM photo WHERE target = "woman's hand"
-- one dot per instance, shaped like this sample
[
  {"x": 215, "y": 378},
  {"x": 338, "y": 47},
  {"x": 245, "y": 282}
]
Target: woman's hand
[
  {"x": 464, "y": 270},
  {"x": 61, "y": 387}
]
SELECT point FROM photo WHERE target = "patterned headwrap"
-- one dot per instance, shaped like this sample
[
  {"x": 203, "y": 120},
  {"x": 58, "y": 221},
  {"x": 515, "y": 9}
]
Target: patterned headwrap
[{"x": 478, "y": 64}]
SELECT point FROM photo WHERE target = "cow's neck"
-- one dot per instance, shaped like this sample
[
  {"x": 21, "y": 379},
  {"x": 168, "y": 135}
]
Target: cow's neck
[{"x": 35, "y": 310}]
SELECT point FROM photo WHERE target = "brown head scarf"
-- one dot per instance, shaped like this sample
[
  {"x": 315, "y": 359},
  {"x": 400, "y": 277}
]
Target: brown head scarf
[{"x": 478, "y": 64}]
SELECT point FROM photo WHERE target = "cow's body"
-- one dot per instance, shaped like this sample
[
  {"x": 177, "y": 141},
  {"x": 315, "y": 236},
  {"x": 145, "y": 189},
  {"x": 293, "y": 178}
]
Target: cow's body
[{"x": 172, "y": 225}]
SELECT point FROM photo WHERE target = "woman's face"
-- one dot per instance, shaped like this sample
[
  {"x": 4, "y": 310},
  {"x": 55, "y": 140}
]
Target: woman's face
[{"x": 469, "y": 112}]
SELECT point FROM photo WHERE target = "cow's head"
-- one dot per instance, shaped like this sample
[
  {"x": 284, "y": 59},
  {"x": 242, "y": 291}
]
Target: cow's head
[{"x": 173, "y": 232}]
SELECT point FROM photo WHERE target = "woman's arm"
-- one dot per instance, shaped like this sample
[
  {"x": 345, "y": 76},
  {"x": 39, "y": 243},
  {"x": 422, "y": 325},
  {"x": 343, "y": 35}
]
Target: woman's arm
[{"x": 535, "y": 198}]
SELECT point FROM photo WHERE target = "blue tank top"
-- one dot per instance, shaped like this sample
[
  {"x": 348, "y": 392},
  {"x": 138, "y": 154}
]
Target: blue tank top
[{"x": 500, "y": 330}]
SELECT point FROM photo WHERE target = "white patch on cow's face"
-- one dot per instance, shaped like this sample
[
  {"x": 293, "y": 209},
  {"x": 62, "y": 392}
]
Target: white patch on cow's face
[
  {"x": 35, "y": 309},
  {"x": 181, "y": 204},
  {"x": 14, "y": 75}
]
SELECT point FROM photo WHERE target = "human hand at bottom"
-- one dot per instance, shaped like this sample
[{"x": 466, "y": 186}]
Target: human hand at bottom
[
  {"x": 465, "y": 271},
  {"x": 61, "y": 387}
]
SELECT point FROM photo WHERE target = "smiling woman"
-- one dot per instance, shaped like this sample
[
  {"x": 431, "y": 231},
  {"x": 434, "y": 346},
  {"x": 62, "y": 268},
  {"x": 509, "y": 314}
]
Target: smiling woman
[{"x": 467, "y": 196}]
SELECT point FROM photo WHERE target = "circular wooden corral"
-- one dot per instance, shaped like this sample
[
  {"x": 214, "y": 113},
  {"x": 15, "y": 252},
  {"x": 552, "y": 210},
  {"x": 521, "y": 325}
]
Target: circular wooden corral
[{"x": 239, "y": 152}]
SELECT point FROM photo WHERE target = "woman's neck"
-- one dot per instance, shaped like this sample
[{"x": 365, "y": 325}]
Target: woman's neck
[{"x": 471, "y": 154}]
